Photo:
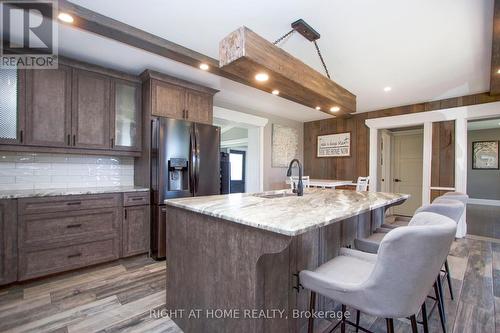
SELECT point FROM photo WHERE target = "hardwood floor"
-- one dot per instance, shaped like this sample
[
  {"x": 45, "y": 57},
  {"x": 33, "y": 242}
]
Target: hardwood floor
[
  {"x": 115, "y": 297},
  {"x": 118, "y": 297}
]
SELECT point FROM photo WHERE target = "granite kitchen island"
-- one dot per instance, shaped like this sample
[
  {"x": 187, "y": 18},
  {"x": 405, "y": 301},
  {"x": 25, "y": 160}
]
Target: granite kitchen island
[{"x": 232, "y": 260}]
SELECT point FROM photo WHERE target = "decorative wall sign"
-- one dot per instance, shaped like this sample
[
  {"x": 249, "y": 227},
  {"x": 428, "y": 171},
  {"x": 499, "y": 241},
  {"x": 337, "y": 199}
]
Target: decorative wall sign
[
  {"x": 285, "y": 145},
  {"x": 334, "y": 145},
  {"x": 485, "y": 155}
]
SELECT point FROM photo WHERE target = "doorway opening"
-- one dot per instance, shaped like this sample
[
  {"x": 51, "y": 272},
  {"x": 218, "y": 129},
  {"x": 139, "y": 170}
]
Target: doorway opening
[
  {"x": 237, "y": 161},
  {"x": 483, "y": 177},
  {"x": 401, "y": 166},
  {"x": 240, "y": 162}
]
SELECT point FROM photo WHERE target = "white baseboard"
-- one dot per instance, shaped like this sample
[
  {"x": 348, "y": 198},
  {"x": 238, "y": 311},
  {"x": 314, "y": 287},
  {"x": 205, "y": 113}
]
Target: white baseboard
[{"x": 485, "y": 202}]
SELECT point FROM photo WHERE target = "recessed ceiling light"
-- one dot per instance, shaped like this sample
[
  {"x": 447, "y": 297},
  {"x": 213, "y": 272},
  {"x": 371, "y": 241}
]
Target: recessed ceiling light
[
  {"x": 318, "y": 108},
  {"x": 334, "y": 109},
  {"x": 498, "y": 71},
  {"x": 275, "y": 92},
  {"x": 204, "y": 67},
  {"x": 387, "y": 89},
  {"x": 498, "y": 124},
  {"x": 261, "y": 77},
  {"x": 65, "y": 17}
]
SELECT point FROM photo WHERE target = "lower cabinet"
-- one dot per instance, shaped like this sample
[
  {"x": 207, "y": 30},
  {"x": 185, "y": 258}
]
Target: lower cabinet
[
  {"x": 136, "y": 227},
  {"x": 57, "y": 234},
  {"x": 8, "y": 241}
]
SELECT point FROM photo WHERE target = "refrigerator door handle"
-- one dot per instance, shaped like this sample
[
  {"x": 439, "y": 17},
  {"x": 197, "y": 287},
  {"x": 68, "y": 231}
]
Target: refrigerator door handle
[
  {"x": 192, "y": 162},
  {"x": 197, "y": 156}
]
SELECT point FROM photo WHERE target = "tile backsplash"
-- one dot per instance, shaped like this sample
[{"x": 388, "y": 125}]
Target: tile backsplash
[{"x": 21, "y": 171}]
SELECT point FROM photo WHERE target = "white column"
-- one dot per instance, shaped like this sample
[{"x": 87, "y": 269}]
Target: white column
[
  {"x": 374, "y": 151},
  {"x": 461, "y": 167},
  {"x": 427, "y": 164}
]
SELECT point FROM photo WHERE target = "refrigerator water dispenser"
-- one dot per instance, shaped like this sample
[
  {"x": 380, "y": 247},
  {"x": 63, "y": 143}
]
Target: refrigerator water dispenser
[{"x": 178, "y": 174}]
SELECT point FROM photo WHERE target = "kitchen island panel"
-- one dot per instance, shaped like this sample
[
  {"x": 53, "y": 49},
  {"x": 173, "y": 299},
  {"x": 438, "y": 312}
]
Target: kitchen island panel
[{"x": 215, "y": 264}]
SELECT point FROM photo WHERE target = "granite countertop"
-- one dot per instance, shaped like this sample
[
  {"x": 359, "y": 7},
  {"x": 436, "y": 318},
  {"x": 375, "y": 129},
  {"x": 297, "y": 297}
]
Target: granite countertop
[
  {"x": 288, "y": 215},
  {"x": 16, "y": 194}
]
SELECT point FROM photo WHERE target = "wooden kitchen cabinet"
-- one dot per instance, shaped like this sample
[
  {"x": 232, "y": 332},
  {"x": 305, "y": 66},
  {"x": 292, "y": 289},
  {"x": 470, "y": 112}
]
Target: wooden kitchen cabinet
[
  {"x": 178, "y": 99},
  {"x": 199, "y": 107},
  {"x": 168, "y": 100},
  {"x": 136, "y": 230},
  {"x": 8, "y": 241},
  {"x": 77, "y": 108},
  {"x": 125, "y": 125},
  {"x": 90, "y": 110},
  {"x": 48, "y": 107},
  {"x": 12, "y": 106}
]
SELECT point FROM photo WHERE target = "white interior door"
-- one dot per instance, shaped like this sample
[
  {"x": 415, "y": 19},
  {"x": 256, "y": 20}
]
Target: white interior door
[{"x": 407, "y": 174}]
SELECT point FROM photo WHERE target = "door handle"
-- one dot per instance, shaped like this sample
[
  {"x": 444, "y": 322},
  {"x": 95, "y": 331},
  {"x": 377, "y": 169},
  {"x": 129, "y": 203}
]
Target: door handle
[{"x": 397, "y": 180}]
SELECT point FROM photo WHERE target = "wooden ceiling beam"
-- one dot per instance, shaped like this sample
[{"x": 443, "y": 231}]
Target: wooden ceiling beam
[
  {"x": 245, "y": 54},
  {"x": 495, "y": 52}
]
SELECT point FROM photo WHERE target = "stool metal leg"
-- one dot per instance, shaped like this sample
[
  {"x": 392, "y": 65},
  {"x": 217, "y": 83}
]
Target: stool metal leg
[
  {"x": 342, "y": 324},
  {"x": 448, "y": 277},
  {"x": 413, "y": 320},
  {"x": 312, "y": 303},
  {"x": 440, "y": 309},
  {"x": 441, "y": 293},
  {"x": 358, "y": 314},
  {"x": 425, "y": 322},
  {"x": 390, "y": 325}
]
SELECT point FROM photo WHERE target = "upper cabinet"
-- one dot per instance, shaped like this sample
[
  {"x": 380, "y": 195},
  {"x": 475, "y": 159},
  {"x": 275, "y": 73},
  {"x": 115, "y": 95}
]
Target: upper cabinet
[
  {"x": 91, "y": 110},
  {"x": 48, "y": 99},
  {"x": 174, "y": 98},
  {"x": 12, "y": 106},
  {"x": 125, "y": 118},
  {"x": 74, "y": 107}
]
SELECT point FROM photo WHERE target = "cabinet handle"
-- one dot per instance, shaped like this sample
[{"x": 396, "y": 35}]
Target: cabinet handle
[
  {"x": 74, "y": 255},
  {"x": 125, "y": 214},
  {"x": 74, "y": 139},
  {"x": 69, "y": 139},
  {"x": 112, "y": 143},
  {"x": 187, "y": 114},
  {"x": 137, "y": 199},
  {"x": 183, "y": 114},
  {"x": 21, "y": 136},
  {"x": 74, "y": 203},
  {"x": 74, "y": 226}
]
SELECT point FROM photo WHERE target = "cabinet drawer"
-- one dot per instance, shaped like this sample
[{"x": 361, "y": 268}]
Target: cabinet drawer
[
  {"x": 38, "y": 263},
  {"x": 136, "y": 198},
  {"x": 68, "y": 203},
  {"x": 47, "y": 228}
]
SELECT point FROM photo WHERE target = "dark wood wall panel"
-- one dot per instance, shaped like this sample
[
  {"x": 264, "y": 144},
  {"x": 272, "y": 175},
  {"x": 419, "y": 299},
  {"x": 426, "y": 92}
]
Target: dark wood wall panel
[
  {"x": 443, "y": 171},
  {"x": 443, "y": 154}
]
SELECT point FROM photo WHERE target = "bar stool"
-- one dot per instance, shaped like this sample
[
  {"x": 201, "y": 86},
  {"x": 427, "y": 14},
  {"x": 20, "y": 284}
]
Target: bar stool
[
  {"x": 452, "y": 209},
  {"x": 462, "y": 197},
  {"x": 396, "y": 284}
]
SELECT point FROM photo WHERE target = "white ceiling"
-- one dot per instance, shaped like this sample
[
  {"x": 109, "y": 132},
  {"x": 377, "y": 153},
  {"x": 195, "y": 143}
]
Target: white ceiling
[
  {"x": 425, "y": 50},
  {"x": 483, "y": 124}
]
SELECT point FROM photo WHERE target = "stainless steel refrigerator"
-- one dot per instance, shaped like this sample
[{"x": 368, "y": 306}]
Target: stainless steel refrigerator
[{"x": 184, "y": 163}]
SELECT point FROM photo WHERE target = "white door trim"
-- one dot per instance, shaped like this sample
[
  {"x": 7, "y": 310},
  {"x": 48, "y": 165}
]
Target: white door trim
[
  {"x": 246, "y": 120},
  {"x": 460, "y": 114}
]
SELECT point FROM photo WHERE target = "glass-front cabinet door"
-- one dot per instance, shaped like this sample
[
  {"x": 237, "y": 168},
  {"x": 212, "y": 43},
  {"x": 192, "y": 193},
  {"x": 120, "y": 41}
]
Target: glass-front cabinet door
[
  {"x": 11, "y": 106},
  {"x": 127, "y": 116}
]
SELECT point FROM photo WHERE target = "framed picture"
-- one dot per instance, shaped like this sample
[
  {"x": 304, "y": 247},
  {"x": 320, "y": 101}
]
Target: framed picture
[
  {"x": 334, "y": 145},
  {"x": 485, "y": 155},
  {"x": 285, "y": 145}
]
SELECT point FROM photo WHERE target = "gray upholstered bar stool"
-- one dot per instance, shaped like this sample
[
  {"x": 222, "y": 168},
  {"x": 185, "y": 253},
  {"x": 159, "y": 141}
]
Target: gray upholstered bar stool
[
  {"x": 462, "y": 197},
  {"x": 452, "y": 209},
  {"x": 449, "y": 208},
  {"x": 396, "y": 284}
]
